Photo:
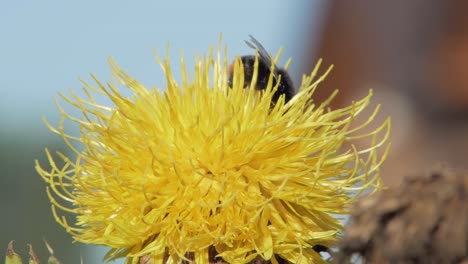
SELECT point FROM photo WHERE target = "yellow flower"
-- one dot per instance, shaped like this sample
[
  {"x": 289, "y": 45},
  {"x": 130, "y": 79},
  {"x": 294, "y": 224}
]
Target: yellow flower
[{"x": 203, "y": 165}]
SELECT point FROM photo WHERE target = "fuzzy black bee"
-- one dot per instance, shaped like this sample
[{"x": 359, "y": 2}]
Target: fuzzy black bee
[{"x": 285, "y": 86}]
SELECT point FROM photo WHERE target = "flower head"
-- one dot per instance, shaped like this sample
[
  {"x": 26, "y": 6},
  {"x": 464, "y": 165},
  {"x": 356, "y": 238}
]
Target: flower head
[{"x": 202, "y": 165}]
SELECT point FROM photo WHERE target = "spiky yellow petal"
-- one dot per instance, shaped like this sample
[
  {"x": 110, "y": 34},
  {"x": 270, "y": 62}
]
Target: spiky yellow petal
[{"x": 203, "y": 165}]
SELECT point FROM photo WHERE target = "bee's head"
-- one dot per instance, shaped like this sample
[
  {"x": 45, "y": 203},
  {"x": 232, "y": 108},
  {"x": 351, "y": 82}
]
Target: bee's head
[
  {"x": 285, "y": 86},
  {"x": 248, "y": 63}
]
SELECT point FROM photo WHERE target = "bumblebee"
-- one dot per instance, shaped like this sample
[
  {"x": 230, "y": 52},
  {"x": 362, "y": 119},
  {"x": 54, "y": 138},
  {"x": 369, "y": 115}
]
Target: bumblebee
[{"x": 285, "y": 86}]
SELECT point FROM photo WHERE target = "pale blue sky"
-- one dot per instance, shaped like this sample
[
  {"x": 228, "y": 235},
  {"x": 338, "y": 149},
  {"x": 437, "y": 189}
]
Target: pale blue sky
[{"x": 46, "y": 46}]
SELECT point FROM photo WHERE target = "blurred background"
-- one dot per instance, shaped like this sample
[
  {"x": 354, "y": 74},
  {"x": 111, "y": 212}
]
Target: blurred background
[{"x": 412, "y": 53}]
